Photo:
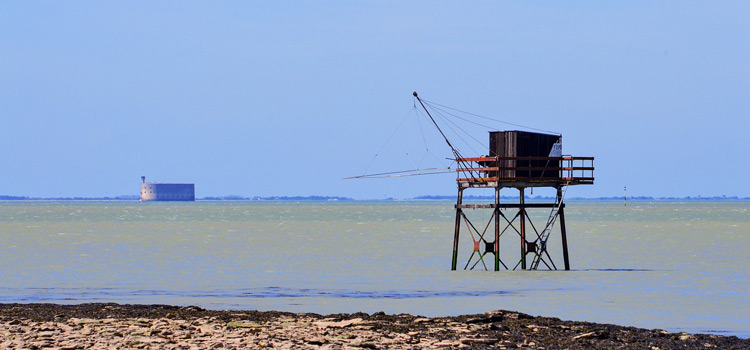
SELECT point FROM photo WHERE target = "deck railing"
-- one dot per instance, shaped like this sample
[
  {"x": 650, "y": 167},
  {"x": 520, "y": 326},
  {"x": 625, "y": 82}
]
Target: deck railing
[{"x": 532, "y": 170}]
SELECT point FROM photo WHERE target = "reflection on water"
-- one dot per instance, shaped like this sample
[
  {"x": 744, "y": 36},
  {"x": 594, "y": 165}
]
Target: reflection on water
[{"x": 677, "y": 266}]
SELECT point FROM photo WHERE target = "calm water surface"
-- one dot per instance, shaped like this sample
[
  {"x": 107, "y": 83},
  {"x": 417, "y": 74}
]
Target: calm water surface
[{"x": 680, "y": 266}]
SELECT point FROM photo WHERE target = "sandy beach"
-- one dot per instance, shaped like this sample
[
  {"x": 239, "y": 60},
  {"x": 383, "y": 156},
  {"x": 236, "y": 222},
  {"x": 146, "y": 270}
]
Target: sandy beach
[{"x": 100, "y": 326}]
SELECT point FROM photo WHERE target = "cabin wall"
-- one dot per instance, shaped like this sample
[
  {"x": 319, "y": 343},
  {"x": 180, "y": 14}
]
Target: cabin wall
[{"x": 523, "y": 144}]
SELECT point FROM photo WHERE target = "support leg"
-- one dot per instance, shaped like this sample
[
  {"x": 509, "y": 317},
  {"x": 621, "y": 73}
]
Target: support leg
[
  {"x": 497, "y": 229},
  {"x": 522, "y": 212},
  {"x": 563, "y": 234},
  {"x": 457, "y": 228}
]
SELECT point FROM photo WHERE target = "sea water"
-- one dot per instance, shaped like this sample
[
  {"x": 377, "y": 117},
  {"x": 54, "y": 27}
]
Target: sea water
[{"x": 679, "y": 266}]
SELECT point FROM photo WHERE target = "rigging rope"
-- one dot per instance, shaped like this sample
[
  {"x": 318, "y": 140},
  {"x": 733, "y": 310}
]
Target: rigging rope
[
  {"x": 446, "y": 116},
  {"x": 421, "y": 130},
  {"x": 402, "y": 173},
  {"x": 386, "y": 142},
  {"x": 495, "y": 120},
  {"x": 464, "y": 119},
  {"x": 450, "y": 122},
  {"x": 456, "y": 153}
]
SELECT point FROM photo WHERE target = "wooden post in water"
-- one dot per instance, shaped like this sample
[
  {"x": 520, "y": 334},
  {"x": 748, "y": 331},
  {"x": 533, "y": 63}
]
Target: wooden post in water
[
  {"x": 563, "y": 234},
  {"x": 457, "y": 228},
  {"x": 497, "y": 228},
  {"x": 522, "y": 212}
]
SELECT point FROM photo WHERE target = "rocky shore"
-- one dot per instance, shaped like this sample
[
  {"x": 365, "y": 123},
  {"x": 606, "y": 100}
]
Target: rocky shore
[{"x": 113, "y": 326}]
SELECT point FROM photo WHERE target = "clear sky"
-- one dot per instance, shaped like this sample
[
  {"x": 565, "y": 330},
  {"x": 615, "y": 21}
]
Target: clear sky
[{"x": 288, "y": 97}]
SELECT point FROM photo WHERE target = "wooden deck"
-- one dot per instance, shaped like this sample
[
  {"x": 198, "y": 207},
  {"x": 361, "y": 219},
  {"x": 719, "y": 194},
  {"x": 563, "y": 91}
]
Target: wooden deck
[{"x": 525, "y": 171}]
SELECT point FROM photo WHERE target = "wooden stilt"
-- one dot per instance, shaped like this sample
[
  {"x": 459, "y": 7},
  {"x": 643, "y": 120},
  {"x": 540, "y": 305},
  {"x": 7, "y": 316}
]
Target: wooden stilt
[
  {"x": 457, "y": 228},
  {"x": 563, "y": 234},
  {"x": 497, "y": 229},
  {"x": 522, "y": 211}
]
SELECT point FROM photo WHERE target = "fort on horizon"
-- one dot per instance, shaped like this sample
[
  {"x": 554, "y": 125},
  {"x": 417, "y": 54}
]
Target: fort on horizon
[{"x": 160, "y": 191}]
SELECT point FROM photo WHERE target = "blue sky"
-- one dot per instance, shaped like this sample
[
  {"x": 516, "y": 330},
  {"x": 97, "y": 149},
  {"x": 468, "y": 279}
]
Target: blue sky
[{"x": 287, "y": 98}]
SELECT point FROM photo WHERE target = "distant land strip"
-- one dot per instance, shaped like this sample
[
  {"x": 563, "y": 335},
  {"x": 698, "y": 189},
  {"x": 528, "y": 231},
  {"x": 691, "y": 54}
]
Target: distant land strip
[{"x": 418, "y": 198}]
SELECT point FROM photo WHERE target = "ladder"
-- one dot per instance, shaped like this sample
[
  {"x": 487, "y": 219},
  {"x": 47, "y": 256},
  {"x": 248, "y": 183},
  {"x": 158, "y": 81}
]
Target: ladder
[{"x": 544, "y": 236}]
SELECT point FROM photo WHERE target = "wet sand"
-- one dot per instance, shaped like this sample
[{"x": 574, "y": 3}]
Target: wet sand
[{"x": 85, "y": 326}]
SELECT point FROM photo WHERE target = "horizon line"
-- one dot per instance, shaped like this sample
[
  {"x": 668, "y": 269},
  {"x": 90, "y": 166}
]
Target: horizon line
[{"x": 342, "y": 198}]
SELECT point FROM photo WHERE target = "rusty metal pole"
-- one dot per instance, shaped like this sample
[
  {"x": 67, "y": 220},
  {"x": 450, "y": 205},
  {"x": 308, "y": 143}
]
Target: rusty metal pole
[
  {"x": 563, "y": 235},
  {"x": 522, "y": 211},
  {"x": 458, "y": 227},
  {"x": 497, "y": 228}
]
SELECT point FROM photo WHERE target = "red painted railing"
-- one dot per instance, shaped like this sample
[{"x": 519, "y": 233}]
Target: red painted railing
[{"x": 534, "y": 170}]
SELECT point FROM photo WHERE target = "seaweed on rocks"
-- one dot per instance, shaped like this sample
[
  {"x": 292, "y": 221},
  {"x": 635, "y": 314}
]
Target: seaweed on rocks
[{"x": 166, "y": 326}]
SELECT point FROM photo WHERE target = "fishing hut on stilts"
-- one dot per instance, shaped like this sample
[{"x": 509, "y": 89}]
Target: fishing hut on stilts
[{"x": 521, "y": 160}]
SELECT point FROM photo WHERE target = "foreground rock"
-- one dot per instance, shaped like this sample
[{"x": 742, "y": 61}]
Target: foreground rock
[{"x": 43, "y": 326}]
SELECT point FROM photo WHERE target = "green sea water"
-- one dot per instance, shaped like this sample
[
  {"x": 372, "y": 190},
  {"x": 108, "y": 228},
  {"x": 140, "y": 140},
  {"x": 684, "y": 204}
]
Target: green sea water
[{"x": 679, "y": 266}]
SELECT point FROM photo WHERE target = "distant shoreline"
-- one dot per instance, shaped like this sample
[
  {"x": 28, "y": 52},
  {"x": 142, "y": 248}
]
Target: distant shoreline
[{"x": 430, "y": 198}]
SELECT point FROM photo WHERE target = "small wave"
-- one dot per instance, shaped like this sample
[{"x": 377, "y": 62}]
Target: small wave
[
  {"x": 70, "y": 294},
  {"x": 276, "y": 292},
  {"x": 618, "y": 270}
]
